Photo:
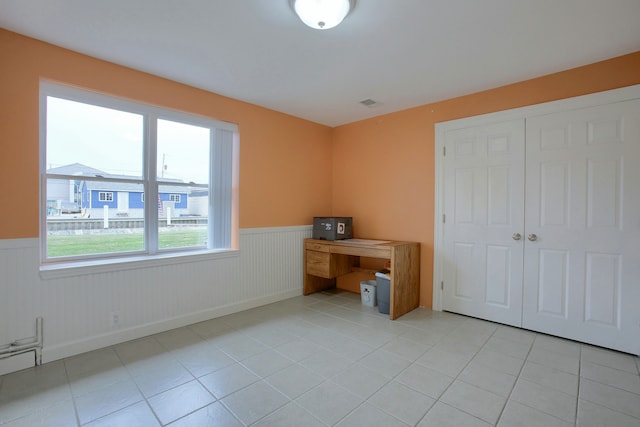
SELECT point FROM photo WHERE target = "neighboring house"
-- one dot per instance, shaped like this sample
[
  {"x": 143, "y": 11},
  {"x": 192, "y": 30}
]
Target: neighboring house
[
  {"x": 123, "y": 199},
  {"x": 127, "y": 200},
  {"x": 63, "y": 195},
  {"x": 199, "y": 203}
]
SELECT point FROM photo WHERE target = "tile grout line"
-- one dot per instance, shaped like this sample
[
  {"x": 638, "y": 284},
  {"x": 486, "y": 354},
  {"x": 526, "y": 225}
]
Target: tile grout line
[
  {"x": 575, "y": 415},
  {"x": 374, "y": 349},
  {"x": 517, "y": 376},
  {"x": 542, "y": 385},
  {"x": 263, "y": 378},
  {"x": 456, "y": 377},
  {"x": 73, "y": 397},
  {"x": 131, "y": 378},
  {"x": 436, "y": 400}
]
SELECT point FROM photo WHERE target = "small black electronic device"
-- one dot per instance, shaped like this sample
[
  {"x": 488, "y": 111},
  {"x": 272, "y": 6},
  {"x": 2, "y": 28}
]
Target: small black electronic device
[{"x": 332, "y": 228}]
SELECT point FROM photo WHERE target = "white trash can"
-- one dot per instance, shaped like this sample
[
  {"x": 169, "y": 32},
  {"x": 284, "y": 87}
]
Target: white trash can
[{"x": 368, "y": 293}]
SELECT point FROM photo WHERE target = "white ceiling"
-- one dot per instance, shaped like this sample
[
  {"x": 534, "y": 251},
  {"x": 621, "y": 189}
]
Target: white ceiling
[{"x": 401, "y": 53}]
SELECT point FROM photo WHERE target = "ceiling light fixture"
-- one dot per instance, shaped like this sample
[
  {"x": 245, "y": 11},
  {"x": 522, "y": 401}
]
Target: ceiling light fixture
[{"x": 322, "y": 14}]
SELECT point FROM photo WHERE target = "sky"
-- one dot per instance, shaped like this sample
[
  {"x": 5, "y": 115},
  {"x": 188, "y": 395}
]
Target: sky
[{"x": 112, "y": 141}]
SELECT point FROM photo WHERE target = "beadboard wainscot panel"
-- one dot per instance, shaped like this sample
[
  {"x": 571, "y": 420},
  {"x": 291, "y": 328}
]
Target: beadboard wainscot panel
[
  {"x": 272, "y": 260},
  {"x": 18, "y": 310},
  {"x": 146, "y": 297},
  {"x": 18, "y": 282}
]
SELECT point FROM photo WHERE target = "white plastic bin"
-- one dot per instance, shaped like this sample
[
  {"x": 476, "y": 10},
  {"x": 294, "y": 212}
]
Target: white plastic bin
[{"x": 368, "y": 293}]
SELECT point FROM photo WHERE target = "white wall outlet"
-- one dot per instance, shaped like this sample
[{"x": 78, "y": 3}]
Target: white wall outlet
[{"x": 115, "y": 319}]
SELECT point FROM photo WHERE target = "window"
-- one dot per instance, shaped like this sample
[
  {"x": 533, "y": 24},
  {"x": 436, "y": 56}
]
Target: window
[
  {"x": 102, "y": 157},
  {"x": 105, "y": 197}
]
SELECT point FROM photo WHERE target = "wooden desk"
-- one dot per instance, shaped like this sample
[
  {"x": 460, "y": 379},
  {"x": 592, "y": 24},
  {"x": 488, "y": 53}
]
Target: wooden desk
[{"x": 325, "y": 260}]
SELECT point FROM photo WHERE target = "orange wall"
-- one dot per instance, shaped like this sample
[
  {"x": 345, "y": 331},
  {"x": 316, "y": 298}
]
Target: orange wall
[
  {"x": 383, "y": 168},
  {"x": 280, "y": 183},
  {"x": 380, "y": 171}
]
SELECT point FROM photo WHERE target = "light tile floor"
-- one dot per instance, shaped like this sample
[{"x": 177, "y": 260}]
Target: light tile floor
[{"x": 325, "y": 359}]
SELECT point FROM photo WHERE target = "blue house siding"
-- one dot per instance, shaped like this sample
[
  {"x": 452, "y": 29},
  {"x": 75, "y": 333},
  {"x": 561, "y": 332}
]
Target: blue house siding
[
  {"x": 135, "y": 200},
  {"x": 182, "y": 204},
  {"x": 97, "y": 203}
]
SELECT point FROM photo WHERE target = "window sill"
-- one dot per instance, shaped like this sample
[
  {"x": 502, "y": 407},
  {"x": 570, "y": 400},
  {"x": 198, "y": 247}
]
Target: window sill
[{"x": 79, "y": 268}]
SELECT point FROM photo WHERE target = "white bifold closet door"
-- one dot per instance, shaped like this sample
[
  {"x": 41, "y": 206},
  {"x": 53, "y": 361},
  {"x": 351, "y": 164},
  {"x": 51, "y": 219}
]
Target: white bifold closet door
[
  {"x": 484, "y": 205},
  {"x": 582, "y": 271},
  {"x": 542, "y": 225}
]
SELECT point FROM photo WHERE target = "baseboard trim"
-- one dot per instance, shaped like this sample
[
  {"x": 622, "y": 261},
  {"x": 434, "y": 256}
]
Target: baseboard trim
[{"x": 57, "y": 352}]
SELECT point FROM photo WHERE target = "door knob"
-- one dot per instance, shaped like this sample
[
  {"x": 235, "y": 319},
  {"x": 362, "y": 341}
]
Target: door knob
[
  {"x": 532, "y": 237},
  {"x": 516, "y": 236}
]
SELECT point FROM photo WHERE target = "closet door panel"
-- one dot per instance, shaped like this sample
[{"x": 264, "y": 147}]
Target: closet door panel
[
  {"x": 582, "y": 269},
  {"x": 484, "y": 208},
  {"x": 551, "y": 287}
]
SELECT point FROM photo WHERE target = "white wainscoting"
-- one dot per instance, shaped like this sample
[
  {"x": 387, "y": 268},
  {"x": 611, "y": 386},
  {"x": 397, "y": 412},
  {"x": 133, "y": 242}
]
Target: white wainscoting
[{"x": 77, "y": 309}]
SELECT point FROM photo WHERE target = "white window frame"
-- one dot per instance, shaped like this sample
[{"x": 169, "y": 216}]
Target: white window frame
[
  {"x": 174, "y": 198},
  {"x": 224, "y": 161},
  {"x": 108, "y": 196}
]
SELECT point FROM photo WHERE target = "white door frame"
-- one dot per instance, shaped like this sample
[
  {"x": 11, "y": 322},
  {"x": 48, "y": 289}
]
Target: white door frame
[{"x": 599, "y": 98}]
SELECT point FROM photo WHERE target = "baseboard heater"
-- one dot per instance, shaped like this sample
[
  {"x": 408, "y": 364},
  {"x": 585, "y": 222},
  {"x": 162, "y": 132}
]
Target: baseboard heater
[{"x": 25, "y": 345}]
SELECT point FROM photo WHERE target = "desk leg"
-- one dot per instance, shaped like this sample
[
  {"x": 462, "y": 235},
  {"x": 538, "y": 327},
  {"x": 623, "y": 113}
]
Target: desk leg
[{"x": 405, "y": 288}]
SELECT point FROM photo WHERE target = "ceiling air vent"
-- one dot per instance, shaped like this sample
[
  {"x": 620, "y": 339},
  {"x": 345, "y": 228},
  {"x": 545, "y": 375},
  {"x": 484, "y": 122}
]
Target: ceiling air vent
[{"x": 369, "y": 103}]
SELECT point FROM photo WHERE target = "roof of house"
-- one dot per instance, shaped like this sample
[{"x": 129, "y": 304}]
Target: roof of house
[{"x": 76, "y": 169}]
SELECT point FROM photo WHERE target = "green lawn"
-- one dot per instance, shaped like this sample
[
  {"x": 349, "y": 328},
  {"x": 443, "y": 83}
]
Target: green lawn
[{"x": 86, "y": 244}]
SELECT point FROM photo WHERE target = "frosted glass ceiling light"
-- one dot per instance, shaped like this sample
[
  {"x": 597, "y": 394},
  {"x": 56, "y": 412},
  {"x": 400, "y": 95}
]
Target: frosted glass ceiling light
[{"x": 322, "y": 14}]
